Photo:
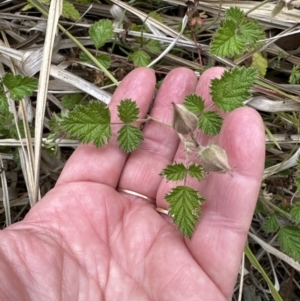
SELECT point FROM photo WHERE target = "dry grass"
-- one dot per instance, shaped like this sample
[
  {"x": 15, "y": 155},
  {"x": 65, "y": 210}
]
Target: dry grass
[{"x": 32, "y": 172}]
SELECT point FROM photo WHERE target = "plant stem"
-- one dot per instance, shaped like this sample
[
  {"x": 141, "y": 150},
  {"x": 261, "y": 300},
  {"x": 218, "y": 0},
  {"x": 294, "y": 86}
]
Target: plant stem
[{"x": 70, "y": 36}]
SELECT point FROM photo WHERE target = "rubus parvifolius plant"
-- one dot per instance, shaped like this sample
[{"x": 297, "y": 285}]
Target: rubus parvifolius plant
[{"x": 91, "y": 123}]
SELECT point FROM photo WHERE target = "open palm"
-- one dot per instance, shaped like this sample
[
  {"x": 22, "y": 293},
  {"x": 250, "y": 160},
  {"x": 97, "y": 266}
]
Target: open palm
[{"x": 86, "y": 241}]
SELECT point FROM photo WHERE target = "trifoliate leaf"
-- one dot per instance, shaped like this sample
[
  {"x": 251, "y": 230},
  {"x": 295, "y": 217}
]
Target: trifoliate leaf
[
  {"x": 194, "y": 103},
  {"x": 232, "y": 88},
  {"x": 19, "y": 86},
  {"x": 289, "y": 239},
  {"x": 103, "y": 59},
  {"x": 129, "y": 138},
  {"x": 69, "y": 101},
  {"x": 69, "y": 11},
  {"x": 174, "y": 172},
  {"x": 185, "y": 208},
  {"x": 271, "y": 223},
  {"x": 226, "y": 41},
  {"x": 128, "y": 110},
  {"x": 101, "y": 32},
  {"x": 295, "y": 212},
  {"x": 3, "y": 101},
  {"x": 260, "y": 63},
  {"x": 235, "y": 33},
  {"x": 153, "y": 46},
  {"x": 89, "y": 123},
  {"x": 196, "y": 171},
  {"x": 210, "y": 123},
  {"x": 140, "y": 58}
]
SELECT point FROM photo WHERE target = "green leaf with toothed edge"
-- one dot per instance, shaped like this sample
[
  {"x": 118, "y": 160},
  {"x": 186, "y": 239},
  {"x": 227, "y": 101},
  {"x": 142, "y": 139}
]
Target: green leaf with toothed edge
[
  {"x": 196, "y": 171},
  {"x": 89, "y": 123},
  {"x": 210, "y": 123},
  {"x": 174, "y": 172},
  {"x": 129, "y": 138},
  {"x": 289, "y": 239},
  {"x": 185, "y": 208},
  {"x": 232, "y": 88},
  {"x": 194, "y": 103},
  {"x": 128, "y": 110}
]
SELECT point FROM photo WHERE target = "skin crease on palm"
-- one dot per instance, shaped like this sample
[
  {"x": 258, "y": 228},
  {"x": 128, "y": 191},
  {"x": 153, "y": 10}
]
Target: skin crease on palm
[{"x": 86, "y": 241}]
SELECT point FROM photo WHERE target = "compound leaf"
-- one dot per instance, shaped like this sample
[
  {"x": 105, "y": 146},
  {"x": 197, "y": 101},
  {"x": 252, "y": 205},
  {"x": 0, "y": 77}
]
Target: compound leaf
[
  {"x": 89, "y": 123},
  {"x": 19, "y": 86},
  {"x": 210, "y": 122},
  {"x": 129, "y": 138},
  {"x": 232, "y": 88},
  {"x": 185, "y": 208},
  {"x": 196, "y": 171},
  {"x": 140, "y": 58},
  {"x": 128, "y": 110},
  {"x": 174, "y": 172},
  {"x": 289, "y": 239},
  {"x": 101, "y": 32},
  {"x": 194, "y": 103}
]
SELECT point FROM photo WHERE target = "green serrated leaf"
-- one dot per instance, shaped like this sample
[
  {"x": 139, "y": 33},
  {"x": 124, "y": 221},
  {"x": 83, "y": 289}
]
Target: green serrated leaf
[
  {"x": 251, "y": 31},
  {"x": 103, "y": 59},
  {"x": 194, "y": 103},
  {"x": 234, "y": 14},
  {"x": 129, "y": 138},
  {"x": 235, "y": 33},
  {"x": 140, "y": 58},
  {"x": 174, "y": 172},
  {"x": 19, "y": 86},
  {"x": 232, "y": 88},
  {"x": 89, "y": 123},
  {"x": 271, "y": 223},
  {"x": 295, "y": 75},
  {"x": 128, "y": 110},
  {"x": 260, "y": 63},
  {"x": 185, "y": 208},
  {"x": 69, "y": 101},
  {"x": 295, "y": 212},
  {"x": 210, "y": 123},
  {"x": 289, "y": 239},
  {"x": 153, "y": 46},
  {"x": 226, "y": 41},
  {"x": 101, "y": 32},
  {"x": 196, "y": 171},
  {"x": 69, "y": 11},
  {"x": 3, "y": 101},
  {"x": 55, "y": 123}
]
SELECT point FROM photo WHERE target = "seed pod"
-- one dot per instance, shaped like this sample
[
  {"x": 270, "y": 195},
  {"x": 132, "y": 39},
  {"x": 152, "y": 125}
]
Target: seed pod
[
  {"x": 214, "y": 158},
  {"x": 184, "y": 121}
]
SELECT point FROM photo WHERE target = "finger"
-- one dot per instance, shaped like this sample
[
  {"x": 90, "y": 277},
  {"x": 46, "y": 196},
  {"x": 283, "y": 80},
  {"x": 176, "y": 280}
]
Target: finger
[
  {"x": 141, "y": 172},
  {"x": 203, "y": 90},
  {"x": 221, "y": 234},
  {"x": 104, "y": 165}
]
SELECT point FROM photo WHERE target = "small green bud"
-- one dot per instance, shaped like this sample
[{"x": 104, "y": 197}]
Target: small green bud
[
  {"x": 214, "y": 158},
  {"x": 184, "y": 121}
]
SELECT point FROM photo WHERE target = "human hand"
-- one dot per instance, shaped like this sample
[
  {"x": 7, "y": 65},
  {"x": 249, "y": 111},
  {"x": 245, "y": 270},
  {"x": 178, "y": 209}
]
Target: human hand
[{"x": 86, "y": 241}]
